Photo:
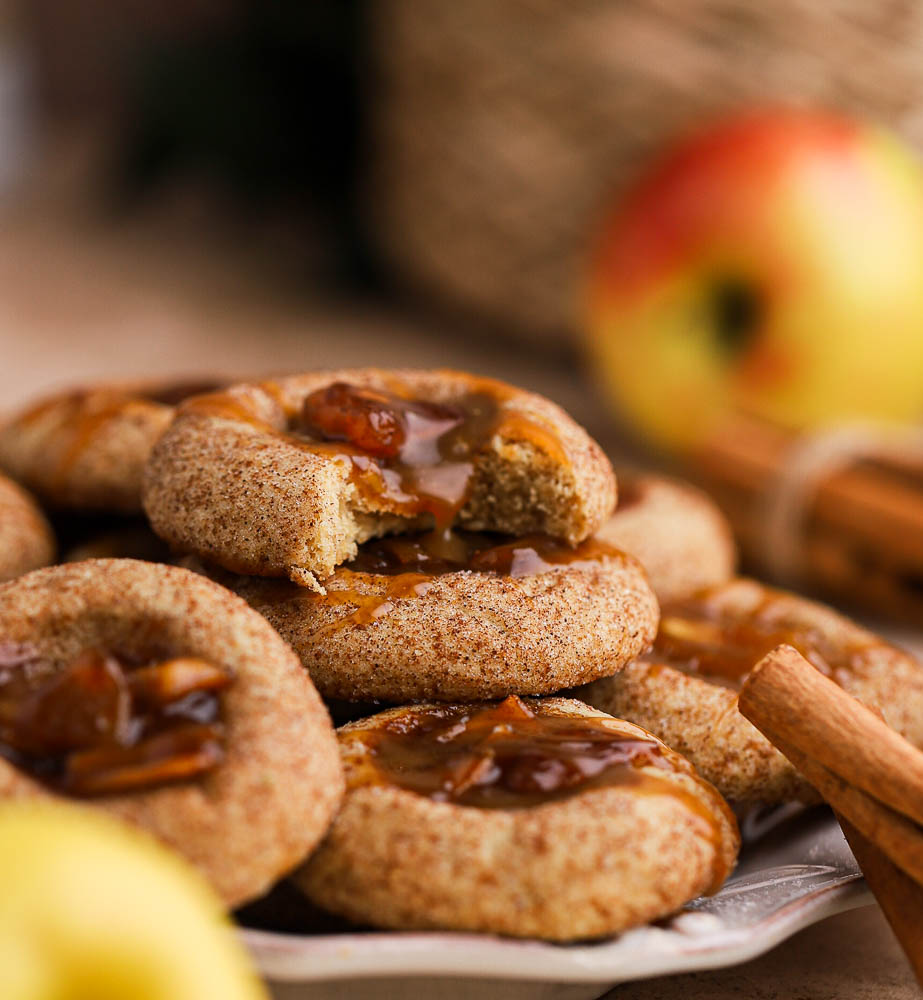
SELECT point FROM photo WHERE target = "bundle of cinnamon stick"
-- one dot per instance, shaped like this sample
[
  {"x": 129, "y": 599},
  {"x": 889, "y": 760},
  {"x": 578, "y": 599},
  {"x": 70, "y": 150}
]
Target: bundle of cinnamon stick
[
  {"x": 858, "y": 535},
  {"x": 870, "y": 775}
]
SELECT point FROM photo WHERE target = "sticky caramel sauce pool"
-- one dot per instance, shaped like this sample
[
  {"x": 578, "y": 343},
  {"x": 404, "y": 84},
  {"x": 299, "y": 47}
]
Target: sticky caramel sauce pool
[
  {"x": 414, "y": 456},
  {"x": 104, "y": 724},
  {"x": 404, "y": 567},
  {"x": 507, "y": 756},
  {"x": 699, "y": 636}
]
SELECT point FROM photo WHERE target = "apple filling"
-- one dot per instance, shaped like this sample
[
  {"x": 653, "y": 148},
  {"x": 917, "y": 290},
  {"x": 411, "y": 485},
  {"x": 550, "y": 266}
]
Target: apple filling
[
  {"x": 502, "y": 755},
  {"x": 418, "y": 456},
  {"x": 698, "y": 636},
  {"x": 105, "y": 724}
]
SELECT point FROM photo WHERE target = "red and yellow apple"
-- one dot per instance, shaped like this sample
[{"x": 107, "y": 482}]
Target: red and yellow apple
[
  {"x": 92, "y": 908},
  {"x": 770, "y": 264}
]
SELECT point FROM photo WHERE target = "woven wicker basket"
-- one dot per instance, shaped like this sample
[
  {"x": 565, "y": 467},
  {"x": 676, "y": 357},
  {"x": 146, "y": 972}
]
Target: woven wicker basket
[{"x": 502, "y": 127}]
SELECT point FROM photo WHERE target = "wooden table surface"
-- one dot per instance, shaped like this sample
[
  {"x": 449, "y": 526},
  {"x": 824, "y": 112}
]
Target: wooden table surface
[{"x": 82, "y": 300}]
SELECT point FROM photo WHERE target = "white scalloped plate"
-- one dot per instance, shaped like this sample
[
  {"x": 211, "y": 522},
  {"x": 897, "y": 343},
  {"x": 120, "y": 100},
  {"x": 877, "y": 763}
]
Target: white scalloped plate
[{"x": 792, "y": 873}]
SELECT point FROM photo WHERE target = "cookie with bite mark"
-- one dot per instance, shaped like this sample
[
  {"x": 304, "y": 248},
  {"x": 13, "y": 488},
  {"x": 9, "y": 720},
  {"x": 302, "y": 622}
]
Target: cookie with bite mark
[{"x": 287, "y": 478}]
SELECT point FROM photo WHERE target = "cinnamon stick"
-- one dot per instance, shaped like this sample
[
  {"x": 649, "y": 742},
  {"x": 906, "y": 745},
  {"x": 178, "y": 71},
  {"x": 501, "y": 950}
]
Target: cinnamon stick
[
  {"x": 897, "y": 837},
  {"x": 863, "y": 526},
  {"x": 862, "y": 501},
  {"x": 856, "y": 763},
  {"x": 788, "y": 699},
  {"x": 901, "y": 898}
]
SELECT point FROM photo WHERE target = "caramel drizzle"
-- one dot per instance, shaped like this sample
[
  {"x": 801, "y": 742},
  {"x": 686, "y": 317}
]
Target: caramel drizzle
[
  {"x": 101, "y": 727},
  {"x": 83, "y": 413},
  {"x": 428, "y": 471},
  {"x": 370, "y": 607},
  {"x": 434, "y": 554},
  {"x": 698, "y": 636},
  {"x": 418, "y": 456},
  {"x": 506, "y": 756},
  {"x": 404, "y": 567}
]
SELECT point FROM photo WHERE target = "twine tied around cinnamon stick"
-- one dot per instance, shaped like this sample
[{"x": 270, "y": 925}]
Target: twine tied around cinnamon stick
[
  {"x": 811, "y": 460},
  {"x": 840, "y": 510},
  {"x": 868, "y": 773}
]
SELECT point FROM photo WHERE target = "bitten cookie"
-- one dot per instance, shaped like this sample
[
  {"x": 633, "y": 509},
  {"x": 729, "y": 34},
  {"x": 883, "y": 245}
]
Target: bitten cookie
[
  {"x": 26, "y": 539},
  {"x": 680, "y": 536},
  {"x": 85, "y": 449},
  {"x": 523, "y": 616},
  {"x": 287, "y": 478},
  {"x": 529, "y": 818},
  {"x": 685, "y": 690},
  {"x": 157, "y": 696}
]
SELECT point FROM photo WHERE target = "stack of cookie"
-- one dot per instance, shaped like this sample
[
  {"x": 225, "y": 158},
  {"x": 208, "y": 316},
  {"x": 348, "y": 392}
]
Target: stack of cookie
[{"x": 437, "y": 556}]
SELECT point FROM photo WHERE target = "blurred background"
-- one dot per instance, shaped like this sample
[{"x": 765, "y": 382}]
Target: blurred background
[
  {"x": 215, "y": 166},
  {"x": 231, "y": 187}
]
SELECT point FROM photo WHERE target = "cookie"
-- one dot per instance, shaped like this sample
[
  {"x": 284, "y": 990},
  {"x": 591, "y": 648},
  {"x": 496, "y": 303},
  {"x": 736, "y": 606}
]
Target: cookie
[
  {"x": 680, "y": 536},
  {"x": 153, "y": 694},
  {"x": 529, "y": 818},
  {"x": 85, "y": 449},
  {"x": 491, "y": 617},
  {"x": 685, "y": 690},
  {"x": 26, "y": 538},
  {"x": 287, "y": 478}
]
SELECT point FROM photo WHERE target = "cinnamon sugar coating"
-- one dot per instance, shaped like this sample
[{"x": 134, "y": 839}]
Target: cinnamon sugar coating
[
  {"x": 85, "y": 449},
  {"x": 470, "y": 635},
  {"x": 596, "y": 863},
  {"x": 677, "y": 532},
  {"x": 700, "y": 718},
  {"x": 262, "y": 809},
  {"x": 228, "y": 482},
  {"x": 26, "y": 539}
]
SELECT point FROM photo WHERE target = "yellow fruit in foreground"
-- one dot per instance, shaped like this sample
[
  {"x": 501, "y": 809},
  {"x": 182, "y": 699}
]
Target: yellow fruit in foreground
[{"x": 93, "y": 910}]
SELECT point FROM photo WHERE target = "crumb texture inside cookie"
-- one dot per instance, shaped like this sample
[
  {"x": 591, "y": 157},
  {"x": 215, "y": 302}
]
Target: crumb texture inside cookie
[
  {"x": 722, "y": 644},
  {"x": 415, "y": 456},
  {"x": 109, "y": 723}
]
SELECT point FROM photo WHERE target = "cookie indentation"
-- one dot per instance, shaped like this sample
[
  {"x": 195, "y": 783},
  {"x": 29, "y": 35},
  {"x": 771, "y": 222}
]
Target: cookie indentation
[{"x": 104, "y": 725}]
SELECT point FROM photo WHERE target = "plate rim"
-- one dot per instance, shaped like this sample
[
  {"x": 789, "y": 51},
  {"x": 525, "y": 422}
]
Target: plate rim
[{"x": 294, "y": 958}]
